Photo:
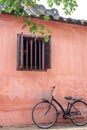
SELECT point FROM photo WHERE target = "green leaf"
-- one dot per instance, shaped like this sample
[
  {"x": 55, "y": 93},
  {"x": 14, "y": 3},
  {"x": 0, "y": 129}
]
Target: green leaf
[
  {"x": 41, "y": 26},
  {"x": 18, "y": 5},
  {"x": 42, "y": 33},
  {"x": 33, "y": 29},
  {"x": 50, "y": 3},
  {"x": 1, "y": 2},
  {"x": 24, "y": 26},
  {"x": 33, "y": 23},
  {"x": 0, "y": 12},
  {"x": 18, "y": 8},
  {"x": 46, "y": 17},
  {"x": 24, "y": 13},
  {"x": 39, "y": 12},
  {"x": 27, "y": 20},
  {"x": 49, "y": 31},
  {"x": 46, "y": 38},
  {"x": 57, "y": 2}
]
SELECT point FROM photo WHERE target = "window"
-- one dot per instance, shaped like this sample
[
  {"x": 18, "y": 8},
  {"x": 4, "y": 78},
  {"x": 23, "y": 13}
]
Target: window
[{"x": 33, "y": 53}]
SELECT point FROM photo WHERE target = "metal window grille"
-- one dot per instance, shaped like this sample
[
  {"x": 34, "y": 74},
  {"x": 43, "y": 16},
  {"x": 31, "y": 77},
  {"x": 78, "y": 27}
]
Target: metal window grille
[{"x": 33, "y": 53}]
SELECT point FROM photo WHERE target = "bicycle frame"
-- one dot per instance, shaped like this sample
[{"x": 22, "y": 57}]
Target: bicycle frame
[
  {"x": 65, "y": 112},
  {"x": 72, "y": 111}
]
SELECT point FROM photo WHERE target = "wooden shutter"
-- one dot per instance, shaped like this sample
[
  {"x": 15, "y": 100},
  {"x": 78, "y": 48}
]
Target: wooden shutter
[
  {"x": 47, "y": 55},
  {"x": 20, "y": 64}
]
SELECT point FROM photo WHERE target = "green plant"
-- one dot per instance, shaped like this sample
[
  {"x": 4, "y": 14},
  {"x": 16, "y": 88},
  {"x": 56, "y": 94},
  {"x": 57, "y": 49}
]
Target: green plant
[{"x": 20, "y": 7}]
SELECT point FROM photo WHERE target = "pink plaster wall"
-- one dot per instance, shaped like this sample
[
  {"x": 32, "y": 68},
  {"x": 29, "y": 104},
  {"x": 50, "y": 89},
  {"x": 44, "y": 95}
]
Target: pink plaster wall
[{"x": 20, "y": 90}]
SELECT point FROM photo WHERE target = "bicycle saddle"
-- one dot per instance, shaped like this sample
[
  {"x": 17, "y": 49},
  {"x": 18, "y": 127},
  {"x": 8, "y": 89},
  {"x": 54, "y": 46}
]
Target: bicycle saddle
[
  {"x": 78, "y": 99},
  {"x": 71, "y": 98},
  {"x": 68, "y": 98}
]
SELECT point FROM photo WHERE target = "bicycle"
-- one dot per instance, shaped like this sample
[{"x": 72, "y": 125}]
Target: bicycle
[{"x": 45, "y": 113}]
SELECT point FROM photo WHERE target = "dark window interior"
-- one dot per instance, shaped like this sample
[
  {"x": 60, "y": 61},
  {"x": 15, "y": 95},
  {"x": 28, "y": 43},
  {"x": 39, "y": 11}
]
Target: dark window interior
[{"x": 32, "y": 53}]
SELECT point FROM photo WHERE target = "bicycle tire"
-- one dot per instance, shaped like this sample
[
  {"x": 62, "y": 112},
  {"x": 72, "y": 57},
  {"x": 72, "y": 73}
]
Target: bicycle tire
[
  {"x": 78, "y": 113},
  {"x": 42, "y": 116}
]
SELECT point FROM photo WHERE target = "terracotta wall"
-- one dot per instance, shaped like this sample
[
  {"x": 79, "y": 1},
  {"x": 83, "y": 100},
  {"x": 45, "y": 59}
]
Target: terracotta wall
[{"x": 20, "y": 90}]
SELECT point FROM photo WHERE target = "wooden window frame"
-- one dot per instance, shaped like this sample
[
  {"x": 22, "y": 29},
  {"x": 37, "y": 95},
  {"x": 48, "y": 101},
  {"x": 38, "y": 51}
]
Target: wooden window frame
[{"x": 34, "y": 59}]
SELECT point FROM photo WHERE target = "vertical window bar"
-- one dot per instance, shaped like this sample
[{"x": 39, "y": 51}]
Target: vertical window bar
[
  {"x": 18, "y": 51},
  {"x": 43, "y": 54},
  {"x": 22, "y": 52},
  {"x": 47, "y": 54},
  {"x": 27, "y": 53},
  {"x": 39, "y": 54},
  {"x": 35, "y": 54},
  {"x": 31, "y": 60}
]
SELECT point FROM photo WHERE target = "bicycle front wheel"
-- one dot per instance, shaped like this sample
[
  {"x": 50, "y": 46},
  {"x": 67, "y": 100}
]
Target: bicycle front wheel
[
  {"x": 44, "y": 114},
  {"x": 78, "y": 113}
]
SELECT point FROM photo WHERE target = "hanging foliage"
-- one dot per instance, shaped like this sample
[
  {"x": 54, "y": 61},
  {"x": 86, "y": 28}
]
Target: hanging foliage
[{"x": 23, "y": 8}]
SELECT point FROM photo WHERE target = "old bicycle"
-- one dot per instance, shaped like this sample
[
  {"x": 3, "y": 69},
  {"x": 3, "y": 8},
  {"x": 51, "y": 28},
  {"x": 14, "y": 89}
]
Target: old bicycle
[{"x": 45, "y": 113}]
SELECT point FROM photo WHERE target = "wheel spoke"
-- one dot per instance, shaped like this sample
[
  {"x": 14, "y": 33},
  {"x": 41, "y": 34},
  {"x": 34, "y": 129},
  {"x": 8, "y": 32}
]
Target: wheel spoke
[
  {"x": 78, "y": 113},
  {"x": 43, "y": 115}
]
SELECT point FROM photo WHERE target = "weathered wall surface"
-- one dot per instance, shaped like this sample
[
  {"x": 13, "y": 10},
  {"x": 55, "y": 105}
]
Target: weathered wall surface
[{"x": 20, "y": 90}]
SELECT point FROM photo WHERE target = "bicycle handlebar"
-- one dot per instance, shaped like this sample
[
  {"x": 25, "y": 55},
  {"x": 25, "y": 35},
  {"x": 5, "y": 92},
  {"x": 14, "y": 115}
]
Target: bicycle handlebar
[{"x": 52, "y": 90}]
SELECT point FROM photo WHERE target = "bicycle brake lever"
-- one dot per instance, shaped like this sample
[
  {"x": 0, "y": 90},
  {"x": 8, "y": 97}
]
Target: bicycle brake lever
[{"x": 53, "y": 87}]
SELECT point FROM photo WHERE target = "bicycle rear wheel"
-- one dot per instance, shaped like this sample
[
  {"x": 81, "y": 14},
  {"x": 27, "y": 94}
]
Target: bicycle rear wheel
[
  {"x": 78, "y": 113},
  {"x": 44, "y": 115}
]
